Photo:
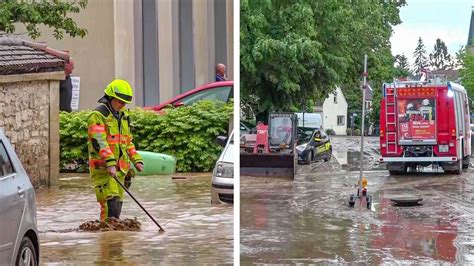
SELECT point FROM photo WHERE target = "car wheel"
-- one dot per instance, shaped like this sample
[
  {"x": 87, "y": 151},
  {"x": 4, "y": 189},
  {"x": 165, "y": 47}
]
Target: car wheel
[
  {"x": 458, "y": 170},
  {"x": 26, "y": 254}
]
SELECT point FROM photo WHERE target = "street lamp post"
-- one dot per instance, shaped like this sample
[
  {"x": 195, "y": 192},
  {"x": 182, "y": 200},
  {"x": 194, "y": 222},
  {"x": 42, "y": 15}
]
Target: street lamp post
[{"x": 364, "y": 87}]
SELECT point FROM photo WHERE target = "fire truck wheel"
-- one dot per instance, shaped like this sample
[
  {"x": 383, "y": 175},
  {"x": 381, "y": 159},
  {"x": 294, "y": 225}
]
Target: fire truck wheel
[
  {"x": 465, "y": 162},
  {"x": 458, "y": 169}
]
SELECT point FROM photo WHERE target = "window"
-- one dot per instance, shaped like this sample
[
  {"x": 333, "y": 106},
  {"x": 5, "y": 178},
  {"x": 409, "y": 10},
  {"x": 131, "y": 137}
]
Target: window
[
  {"x": 281, "y": 130},
  {"x": 220, "y": 94},
  {"x": 335, "y": 97},
  {"x": 340, "y": 120},
  {"x": 6, "y": 166},
  {"x": 459, "y": 113}
]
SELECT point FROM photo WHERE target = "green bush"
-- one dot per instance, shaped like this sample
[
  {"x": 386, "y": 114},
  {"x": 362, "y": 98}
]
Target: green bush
[
  {"x": 188, "y": 133},
  {"x": 330, "y": 132},
  {"x": 356, "y": 132},
  {"x": 348, "y": 131}
]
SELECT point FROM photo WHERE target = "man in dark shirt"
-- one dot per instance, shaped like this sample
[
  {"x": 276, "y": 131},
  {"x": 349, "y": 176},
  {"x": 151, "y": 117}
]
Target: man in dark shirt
[{"x": 65, "y": 88}]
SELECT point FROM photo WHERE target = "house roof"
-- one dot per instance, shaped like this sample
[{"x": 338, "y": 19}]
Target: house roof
[
  {"x": 451, "y": 74},
  {"x": 18, "y": 56}
]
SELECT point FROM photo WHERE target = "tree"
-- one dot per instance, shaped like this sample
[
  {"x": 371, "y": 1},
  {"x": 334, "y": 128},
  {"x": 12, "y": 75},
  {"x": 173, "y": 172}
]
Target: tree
[
  {"x": 53, "y": 14},
  {"x": 457, "y": 62},
  {"x": 440, "y": 59},
  {"x": 401, "y": 61},
  {"x": 466, "y": 73},
  {"x": 402, "y": 67},
  {"x": 293, "y": 50},
  {"x": 421, "y": 60}
]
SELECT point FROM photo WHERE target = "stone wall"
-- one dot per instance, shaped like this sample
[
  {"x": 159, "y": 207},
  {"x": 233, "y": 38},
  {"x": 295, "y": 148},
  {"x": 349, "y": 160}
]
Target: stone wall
[{"x": 25, "y": 118}]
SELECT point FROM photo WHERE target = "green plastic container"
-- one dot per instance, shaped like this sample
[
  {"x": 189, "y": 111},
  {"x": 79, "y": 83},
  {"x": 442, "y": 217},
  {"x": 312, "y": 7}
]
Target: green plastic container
[{"x": 157, "y": 163}]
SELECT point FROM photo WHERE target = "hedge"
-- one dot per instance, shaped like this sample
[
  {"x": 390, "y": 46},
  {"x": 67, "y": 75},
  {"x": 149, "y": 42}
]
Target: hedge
[{"x": 187, "y": 132}]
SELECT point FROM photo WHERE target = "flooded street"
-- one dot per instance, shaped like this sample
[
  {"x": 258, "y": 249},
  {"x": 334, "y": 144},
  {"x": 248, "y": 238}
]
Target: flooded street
[
  {"x": 196, "y": 231},
  {"x": 308, "y": 220}
]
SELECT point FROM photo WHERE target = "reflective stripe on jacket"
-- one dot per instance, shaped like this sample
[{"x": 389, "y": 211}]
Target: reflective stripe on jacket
[{"x": 109, "y": 143}]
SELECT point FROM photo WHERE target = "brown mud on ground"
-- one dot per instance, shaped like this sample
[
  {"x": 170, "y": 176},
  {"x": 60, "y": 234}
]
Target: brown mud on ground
[{"x": 111, "y": 224}]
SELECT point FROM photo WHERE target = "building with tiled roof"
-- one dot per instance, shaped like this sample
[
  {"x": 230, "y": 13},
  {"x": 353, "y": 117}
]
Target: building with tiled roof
[
  {"x": 30, "y": 74},
  {"x": 20, "y": 57}
]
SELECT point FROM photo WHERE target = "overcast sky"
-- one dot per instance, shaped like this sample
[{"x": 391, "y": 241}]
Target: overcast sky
[{"x": 431, "y": 19}]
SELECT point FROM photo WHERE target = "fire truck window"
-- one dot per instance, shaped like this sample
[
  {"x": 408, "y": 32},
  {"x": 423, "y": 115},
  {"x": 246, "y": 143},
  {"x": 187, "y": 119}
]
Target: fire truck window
[
  {"x": 459, "y": 113},
  {"x": 465, "y": 106}
]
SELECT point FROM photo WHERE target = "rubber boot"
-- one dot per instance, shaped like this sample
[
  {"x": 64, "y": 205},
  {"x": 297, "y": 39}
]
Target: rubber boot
[{"x": 114, "y": 205}]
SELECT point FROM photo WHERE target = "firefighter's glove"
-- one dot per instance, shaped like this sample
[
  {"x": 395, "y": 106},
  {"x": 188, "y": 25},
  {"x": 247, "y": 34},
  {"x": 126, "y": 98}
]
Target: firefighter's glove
[
  {"x": 139, "y": 167},
  {"x": 112, "y": 170}
]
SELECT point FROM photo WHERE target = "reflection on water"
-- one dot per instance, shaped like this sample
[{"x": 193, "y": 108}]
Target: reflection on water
[
  {"x": 196, "y": 231},
  {"x": 308, "y": 221}
]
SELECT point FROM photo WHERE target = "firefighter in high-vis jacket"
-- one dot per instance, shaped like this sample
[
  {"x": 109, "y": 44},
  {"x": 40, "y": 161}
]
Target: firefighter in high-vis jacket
[{"x": 110, "y": 146}]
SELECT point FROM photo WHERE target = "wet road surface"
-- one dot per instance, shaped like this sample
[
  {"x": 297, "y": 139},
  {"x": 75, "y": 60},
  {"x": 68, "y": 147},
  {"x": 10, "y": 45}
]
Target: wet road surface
[
  {"x": 196, "y": 231},
  {"x": 308, "y": 220}
]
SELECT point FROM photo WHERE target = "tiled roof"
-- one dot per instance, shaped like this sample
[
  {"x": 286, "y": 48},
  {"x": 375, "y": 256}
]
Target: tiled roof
[
  {"x": 20, "y": 57},
  {"x": 451, "y": 74}
]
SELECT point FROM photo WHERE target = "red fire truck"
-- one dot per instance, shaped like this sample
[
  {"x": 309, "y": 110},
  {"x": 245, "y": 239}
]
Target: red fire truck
[{"x": 424, "y": 123}]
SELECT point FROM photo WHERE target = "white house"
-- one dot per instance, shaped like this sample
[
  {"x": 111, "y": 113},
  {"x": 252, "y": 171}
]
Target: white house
[{"x": 334, "y": 112}]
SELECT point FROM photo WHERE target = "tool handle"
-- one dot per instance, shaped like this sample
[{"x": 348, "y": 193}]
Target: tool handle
[{"x": 138, "y": 203}]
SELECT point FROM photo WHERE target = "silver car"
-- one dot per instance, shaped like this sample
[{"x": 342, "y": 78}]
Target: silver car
[
  {"x": 222, "y": 190},
  {"x": 18, "y": 233}
]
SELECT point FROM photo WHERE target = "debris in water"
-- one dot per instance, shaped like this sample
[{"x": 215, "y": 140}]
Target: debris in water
[
  {"x": 111, "y": 224},
  {"x": 406, "y": 200},
  {"x": 178, "y": 177}
]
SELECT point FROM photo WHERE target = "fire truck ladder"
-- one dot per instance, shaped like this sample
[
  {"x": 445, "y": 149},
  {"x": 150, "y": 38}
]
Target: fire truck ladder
[{"x": 391, "y": 120}]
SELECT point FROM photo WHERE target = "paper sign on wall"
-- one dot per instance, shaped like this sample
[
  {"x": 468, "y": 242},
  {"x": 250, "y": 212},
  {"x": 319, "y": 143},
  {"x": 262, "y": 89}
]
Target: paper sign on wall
[{"x": 76, "y": 87}]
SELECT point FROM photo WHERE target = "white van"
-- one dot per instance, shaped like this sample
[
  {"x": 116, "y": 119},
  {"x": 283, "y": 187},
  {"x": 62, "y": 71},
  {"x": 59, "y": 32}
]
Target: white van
[{"x": 222, "y": 190}]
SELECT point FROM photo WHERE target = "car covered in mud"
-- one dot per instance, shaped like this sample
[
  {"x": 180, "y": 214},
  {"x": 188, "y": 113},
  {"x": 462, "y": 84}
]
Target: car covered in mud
[
  {"x": 222, "y": 188},
  {"x": 313, "y": 145},
  {"x": 18, "y": 230}
]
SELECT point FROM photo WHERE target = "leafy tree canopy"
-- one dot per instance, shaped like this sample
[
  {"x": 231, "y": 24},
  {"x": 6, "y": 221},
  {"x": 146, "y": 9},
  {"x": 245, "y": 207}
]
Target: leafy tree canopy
[
  {"x": 466, "y": 73},
  {"x": 54, "y": 14},
  {"x": 294, "y": 51}
]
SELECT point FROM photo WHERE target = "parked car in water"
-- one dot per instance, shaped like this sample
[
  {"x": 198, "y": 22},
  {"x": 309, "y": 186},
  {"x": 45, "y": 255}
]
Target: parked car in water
[
  {"x": 313, "y": 145},
  {"x": 222, "y": 188},
  {"x": 221, "y": 91},
  {"x": 18, "y": 230}
]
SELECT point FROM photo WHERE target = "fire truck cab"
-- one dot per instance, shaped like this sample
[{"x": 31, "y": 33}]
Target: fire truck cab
[{"x": 425, "y": 123}]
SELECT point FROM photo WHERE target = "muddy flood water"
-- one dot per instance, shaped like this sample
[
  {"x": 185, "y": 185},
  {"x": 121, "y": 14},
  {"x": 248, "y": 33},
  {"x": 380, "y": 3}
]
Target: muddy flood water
[
  {"x": 196, "y": 231},
  {"x": 308, "y": 220}
]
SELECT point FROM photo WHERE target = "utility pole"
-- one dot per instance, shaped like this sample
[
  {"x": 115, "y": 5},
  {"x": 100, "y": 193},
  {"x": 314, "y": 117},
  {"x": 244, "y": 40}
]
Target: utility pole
[{"x": 364, "y": 87}]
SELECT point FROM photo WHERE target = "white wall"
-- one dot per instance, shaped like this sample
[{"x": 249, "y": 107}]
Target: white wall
[{"x": 332, "y": 110}]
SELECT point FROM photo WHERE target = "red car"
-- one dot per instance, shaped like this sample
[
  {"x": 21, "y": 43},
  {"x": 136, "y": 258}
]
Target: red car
[{"x": 222, "y": 90}]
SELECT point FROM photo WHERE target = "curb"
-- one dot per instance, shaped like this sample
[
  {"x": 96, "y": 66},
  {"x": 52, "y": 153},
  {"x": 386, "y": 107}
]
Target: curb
[{"x": 343, "y": 166}]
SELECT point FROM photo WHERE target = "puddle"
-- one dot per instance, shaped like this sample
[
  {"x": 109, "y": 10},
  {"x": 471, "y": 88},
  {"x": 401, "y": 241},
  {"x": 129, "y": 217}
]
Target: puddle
[
  {"x": 196, "y": 231},
  {"x": 308, "y": 220}
]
